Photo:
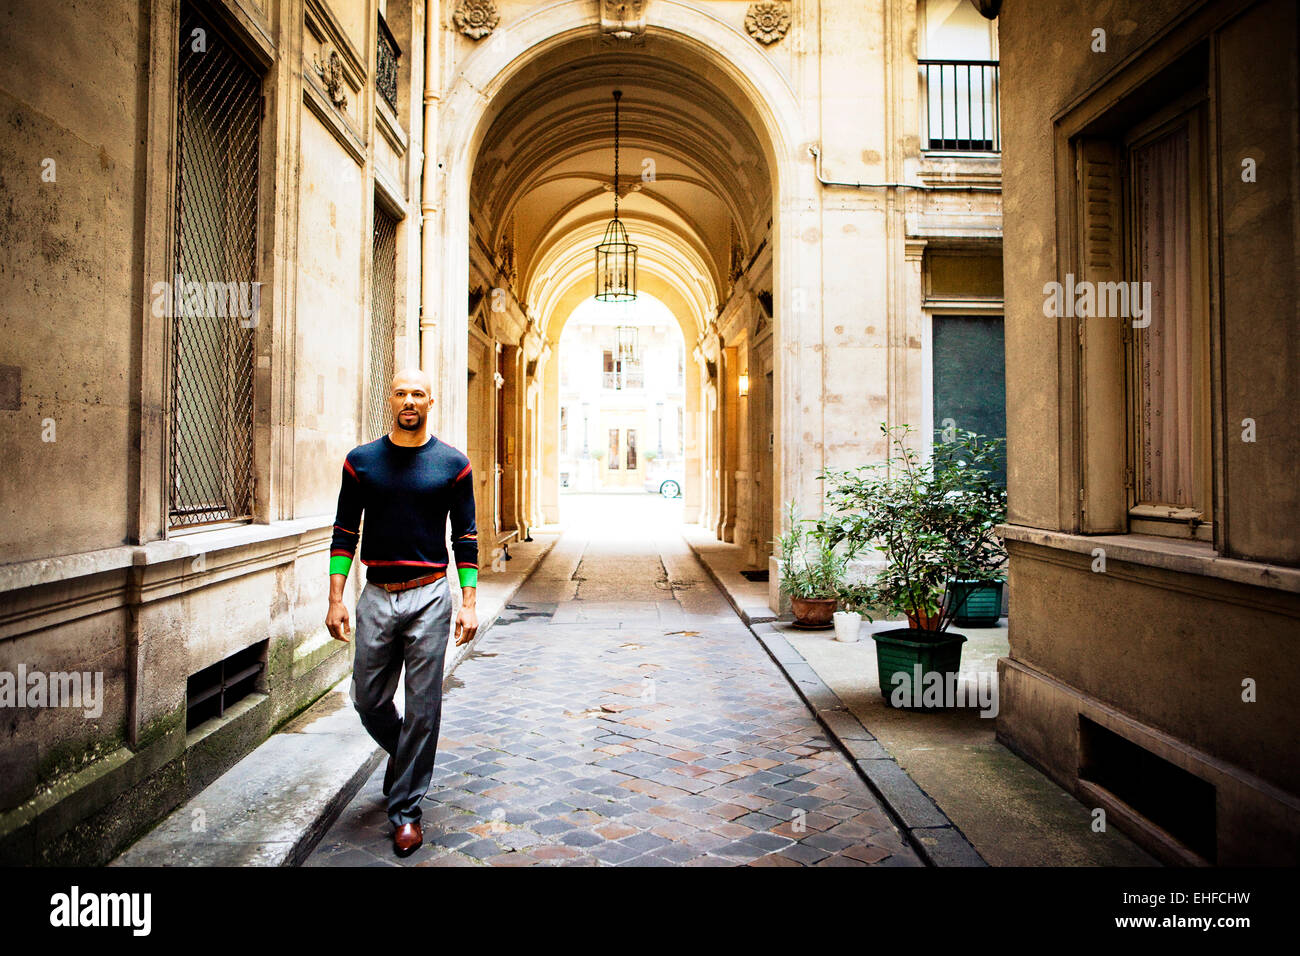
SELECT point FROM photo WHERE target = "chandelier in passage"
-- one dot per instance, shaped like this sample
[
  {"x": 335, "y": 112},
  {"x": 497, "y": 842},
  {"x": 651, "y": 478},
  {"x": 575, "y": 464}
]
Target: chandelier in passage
[{"x": 616, "y": 256}]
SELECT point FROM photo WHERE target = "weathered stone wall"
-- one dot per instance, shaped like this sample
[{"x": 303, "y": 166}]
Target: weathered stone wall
[
  {"x": 70, "y": 97},
  {"x": 1165, "y": 633},
  {"x": 90, "y": 581}
]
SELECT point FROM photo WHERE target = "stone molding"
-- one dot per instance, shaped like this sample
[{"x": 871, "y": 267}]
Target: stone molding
[{"x": 1166, "y": 554}]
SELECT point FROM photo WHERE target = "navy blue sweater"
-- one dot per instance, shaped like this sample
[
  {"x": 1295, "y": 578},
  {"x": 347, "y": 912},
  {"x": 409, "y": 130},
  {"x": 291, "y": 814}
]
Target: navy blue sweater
[{"x": 406, "y": 495}]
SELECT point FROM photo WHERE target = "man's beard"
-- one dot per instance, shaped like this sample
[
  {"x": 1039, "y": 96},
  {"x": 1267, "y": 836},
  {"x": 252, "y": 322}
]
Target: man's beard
[{"x": 414, "y": 426}]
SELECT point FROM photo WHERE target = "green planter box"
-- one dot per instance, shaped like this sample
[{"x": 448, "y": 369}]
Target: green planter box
[
  {"x": 983, "y": 605},
  {"x": 900, "y": 650}
]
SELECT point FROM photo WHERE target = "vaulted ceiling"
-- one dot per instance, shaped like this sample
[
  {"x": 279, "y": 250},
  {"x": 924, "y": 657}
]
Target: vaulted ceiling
[{"x": 693, "y": 177}]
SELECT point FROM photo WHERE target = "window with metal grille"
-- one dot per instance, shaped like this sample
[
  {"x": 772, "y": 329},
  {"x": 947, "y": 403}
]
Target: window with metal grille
[
  {"x": 215, "y": 304},
  {"x": 383, "y": 322},
  {"x": 386, "y": 57},
  {"x": 212, "y": 691}
]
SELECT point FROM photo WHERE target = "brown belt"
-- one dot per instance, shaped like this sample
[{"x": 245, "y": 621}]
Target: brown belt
[{"x": 417, "y": 583}]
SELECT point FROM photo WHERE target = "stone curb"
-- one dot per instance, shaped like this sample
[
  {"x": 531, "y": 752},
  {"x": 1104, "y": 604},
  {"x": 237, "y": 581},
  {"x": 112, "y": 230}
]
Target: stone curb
[
  {"x": 726, "y": 591},
  {"x": 927, "y": 828}
]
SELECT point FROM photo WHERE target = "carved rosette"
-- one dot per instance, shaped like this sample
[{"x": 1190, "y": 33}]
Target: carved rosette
[
  {"x": 476, "y": 18},
  {"x": 768, "y": 21}
]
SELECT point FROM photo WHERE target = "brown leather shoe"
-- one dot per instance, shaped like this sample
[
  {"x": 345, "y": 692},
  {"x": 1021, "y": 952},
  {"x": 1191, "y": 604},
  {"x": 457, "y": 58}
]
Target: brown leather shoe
[{"x": 408, "y": 838}]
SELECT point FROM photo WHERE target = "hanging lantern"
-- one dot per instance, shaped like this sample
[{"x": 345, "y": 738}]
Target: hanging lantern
[{"x": 615, "y": 256}]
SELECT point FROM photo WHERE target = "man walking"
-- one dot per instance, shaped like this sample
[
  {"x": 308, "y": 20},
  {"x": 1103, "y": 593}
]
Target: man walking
[{"x": 407, "y": 483}]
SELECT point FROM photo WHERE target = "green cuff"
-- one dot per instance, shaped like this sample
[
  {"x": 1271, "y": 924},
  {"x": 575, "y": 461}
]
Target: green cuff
[
  {"x": 468, "y": 577},
  {"x": 340, "y": 564}
]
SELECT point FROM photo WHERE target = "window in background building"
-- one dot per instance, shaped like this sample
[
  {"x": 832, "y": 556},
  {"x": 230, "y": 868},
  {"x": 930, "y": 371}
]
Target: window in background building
[
  {"x": 210, "y": 359},
  {"x": 969, "y": 376},
  {"x": 613, "y": 449},
  {"x": 564, "y": 430},
  {"x": 631, "y": 449}
]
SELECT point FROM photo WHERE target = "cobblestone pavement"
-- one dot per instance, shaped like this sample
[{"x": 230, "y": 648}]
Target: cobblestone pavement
[{"x": 619, "y": 712}]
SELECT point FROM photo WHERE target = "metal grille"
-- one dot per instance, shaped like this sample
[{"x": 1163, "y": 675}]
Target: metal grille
[
  {"x": 214, "y": 303},
  {"x": 383, "y": 284},
  {"x": 386, "y": 65}
]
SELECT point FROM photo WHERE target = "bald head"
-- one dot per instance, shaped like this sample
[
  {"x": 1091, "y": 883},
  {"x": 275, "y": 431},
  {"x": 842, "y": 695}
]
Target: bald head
[
  {"x": 410, "y": 397},
  {"x": 413, "y": 378}
]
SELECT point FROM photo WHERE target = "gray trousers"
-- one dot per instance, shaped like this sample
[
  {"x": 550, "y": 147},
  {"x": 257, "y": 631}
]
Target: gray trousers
[{"x": 404, "y": 628}]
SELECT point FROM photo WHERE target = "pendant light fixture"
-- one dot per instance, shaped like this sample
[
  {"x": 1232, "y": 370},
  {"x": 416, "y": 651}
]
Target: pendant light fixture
[{"x": 616, "y": 256}]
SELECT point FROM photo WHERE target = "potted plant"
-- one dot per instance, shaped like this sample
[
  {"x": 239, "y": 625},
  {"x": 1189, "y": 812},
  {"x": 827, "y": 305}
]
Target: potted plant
[
  {"x": 933, "y": 523},
  {"x": 976, "y": 594},
  {"x": 812, "y": 570},
  {"x": 980, "y": 601},
  {"x": 856, "y": 600}
]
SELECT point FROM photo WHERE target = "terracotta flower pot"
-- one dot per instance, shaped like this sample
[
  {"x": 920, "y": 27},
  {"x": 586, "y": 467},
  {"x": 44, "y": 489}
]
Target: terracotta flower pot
[
  {"x": 813, "y": 612},
  {"x": 925, "y": 621}
]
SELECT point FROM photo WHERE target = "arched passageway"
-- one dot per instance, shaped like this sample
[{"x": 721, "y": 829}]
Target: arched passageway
[{"x": 702, "y": 175}]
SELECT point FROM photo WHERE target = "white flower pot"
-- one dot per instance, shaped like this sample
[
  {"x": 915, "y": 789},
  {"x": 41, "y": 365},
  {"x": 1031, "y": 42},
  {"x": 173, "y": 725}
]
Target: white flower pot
[{"x": 847, "y": 624}]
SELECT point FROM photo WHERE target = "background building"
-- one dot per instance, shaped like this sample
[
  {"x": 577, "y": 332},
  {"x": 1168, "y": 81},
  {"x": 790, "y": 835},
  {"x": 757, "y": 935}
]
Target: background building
[{"x": 622, "y": 414}]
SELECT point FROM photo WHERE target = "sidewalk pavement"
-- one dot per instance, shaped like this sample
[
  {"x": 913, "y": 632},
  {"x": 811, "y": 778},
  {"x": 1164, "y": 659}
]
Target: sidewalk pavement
[
  {"x": 958, "y": 794},
  {"x": 272, "y": 807}
]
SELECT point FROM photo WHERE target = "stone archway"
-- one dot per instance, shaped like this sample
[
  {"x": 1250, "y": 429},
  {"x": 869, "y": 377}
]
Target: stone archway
[{"x": 729, "y": 63}]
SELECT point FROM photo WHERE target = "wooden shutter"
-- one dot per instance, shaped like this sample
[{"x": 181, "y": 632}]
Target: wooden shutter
[{"x": 1104, "y": 498}]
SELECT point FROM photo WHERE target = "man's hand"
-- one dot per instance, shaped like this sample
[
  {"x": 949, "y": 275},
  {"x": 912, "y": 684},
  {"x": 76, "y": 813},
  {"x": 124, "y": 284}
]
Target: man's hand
[
  {"x": 466, "y": 625},
  {"x": 337, "y": 621}
]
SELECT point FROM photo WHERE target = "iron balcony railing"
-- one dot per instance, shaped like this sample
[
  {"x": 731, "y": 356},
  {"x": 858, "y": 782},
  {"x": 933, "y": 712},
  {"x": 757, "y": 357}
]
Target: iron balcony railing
[
  {"x": 960, "y": 104},
  {"x": 386, "y": 65}
]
